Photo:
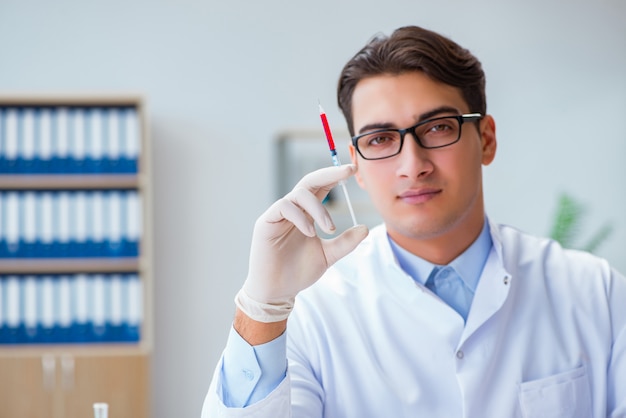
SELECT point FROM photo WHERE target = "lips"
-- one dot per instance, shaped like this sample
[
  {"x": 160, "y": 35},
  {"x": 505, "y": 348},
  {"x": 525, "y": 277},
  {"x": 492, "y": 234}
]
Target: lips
[{"x": 417, "y": 196}]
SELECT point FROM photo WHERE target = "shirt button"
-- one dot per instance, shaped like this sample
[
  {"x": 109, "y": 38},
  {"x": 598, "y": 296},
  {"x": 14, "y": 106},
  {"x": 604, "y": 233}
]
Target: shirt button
[
  {"x": 459, "y": 355},
  {"x": 444, "y": 273},
  {"x": 248, "y": 374}
]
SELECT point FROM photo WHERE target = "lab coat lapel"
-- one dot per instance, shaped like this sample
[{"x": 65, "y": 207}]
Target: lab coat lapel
[{"x": 493, "y": 287}]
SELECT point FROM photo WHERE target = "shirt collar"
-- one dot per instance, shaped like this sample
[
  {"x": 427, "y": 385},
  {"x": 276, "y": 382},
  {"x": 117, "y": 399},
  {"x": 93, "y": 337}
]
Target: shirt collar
[{"x": 468, "y": 265}]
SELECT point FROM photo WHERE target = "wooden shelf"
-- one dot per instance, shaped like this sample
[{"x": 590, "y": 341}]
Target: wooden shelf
[
  {"x": 76, "y": 349},
  {"x": 68, "y": 265},
  {"x": 86, "y": 99},
  {"x": 69, "y": 182}
]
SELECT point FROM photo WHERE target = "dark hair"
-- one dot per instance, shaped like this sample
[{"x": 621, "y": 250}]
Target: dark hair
[{"x": 409, "y": 49}]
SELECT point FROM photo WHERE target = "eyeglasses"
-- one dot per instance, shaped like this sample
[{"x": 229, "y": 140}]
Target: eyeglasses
[{"x": 432, "y": 133}]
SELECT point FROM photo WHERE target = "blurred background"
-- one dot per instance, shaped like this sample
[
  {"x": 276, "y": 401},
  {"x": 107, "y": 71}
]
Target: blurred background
[{"x": 223, "y": 80}]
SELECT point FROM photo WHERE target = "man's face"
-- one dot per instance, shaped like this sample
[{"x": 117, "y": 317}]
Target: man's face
[{"x": 422, "y": 194}]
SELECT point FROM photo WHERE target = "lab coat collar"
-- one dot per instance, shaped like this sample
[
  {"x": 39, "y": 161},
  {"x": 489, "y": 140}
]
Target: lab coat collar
[{"x": 491, "y": 292}]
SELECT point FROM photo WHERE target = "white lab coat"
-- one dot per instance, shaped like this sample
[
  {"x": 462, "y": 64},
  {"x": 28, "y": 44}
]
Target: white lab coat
[{"x": 545, "y": 337}]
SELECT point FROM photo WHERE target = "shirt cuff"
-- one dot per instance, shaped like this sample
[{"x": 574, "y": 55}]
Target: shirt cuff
[{"x": 250, "y": 373}]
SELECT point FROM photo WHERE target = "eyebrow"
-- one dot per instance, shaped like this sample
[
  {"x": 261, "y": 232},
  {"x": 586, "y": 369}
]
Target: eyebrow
[{"x": 424, "y": 116}]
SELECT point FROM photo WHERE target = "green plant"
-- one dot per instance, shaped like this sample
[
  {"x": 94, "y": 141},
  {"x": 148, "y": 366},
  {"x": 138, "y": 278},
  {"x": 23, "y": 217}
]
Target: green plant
[{"x": 567, "y": 225}]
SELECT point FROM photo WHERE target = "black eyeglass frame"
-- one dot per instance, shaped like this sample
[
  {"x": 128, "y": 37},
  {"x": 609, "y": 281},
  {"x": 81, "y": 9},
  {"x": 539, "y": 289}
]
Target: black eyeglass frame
[{"x": 468, "y": 117}]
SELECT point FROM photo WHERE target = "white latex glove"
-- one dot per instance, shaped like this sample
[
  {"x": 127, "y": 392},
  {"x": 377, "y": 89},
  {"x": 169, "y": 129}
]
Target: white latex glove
[{"x": 286, "y": 255}]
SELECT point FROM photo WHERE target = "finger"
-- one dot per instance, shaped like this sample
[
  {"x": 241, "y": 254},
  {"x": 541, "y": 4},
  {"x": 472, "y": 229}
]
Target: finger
[
  {"x": 301, "y": 208},
  {"x": 342, "y": 245},
  {"x": 320, "y": 182},
  {"x": 288, "y": 210},
  {"x": 312, "y": 206}
]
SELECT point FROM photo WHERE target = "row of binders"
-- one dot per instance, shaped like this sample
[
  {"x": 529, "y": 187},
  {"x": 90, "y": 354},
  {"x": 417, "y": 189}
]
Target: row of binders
[
  {"x": 69, "y": 140},
  {"x": 78, "y": 308},
  {"x": 72, "y": 223}
]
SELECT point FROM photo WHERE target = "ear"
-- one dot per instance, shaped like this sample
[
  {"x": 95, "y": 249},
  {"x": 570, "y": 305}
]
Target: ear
[
  {"x": 355, "y": 160},
  {"x": 488, "y": 139}
]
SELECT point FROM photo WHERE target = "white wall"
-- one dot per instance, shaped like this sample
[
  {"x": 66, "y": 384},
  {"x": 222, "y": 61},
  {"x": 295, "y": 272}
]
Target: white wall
[{"x": 222, "y": 78}]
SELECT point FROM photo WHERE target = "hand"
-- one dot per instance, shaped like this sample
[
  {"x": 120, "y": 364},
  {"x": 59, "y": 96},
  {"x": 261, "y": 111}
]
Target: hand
[{"x": 286, "y": 255}]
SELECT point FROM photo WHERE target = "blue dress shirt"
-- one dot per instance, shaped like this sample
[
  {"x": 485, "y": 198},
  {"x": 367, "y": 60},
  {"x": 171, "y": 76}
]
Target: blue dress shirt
[{"x": 463, "y": 272}]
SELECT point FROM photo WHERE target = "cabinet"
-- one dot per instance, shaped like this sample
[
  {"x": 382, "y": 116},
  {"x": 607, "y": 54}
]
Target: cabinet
[
  {"x": 65, "y": 385},
  {"x": 75, "y": 256}
]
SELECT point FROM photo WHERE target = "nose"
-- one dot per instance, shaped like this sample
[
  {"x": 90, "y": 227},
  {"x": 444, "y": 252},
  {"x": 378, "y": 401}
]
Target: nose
[{"x": 413, "y": 160}]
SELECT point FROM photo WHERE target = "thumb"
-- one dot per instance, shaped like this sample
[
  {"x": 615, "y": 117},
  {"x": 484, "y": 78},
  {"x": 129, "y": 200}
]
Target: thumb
[{"x": 342, "y": 245}]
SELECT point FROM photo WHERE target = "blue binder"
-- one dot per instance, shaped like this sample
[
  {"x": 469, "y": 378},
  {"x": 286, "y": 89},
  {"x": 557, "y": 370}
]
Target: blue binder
[
  {"x": 12, "y": 224},
  {"x": 2, "y": 311},
  {"x": 11, "y": 140},
  {"x": 43, "y": 140},
  {"x": 26, "y": 160},
  {"x": 46, "y": 327},
  {"x": 2, "y": 140},
  {"x": 134, "y": 308},
  {"x": 81, "y": 322},
  {"x": 129, "y": 140},
  {"x": 60, "y": 162}
]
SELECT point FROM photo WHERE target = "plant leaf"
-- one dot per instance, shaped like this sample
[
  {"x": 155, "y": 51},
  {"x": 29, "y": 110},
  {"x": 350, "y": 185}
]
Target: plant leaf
[
  {"x": 567, "y": 220},
  {"x": 599, "y": 237}
]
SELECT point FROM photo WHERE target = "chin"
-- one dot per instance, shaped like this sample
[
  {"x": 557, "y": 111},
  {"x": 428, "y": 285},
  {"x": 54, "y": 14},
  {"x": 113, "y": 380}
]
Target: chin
[{"x": 418, "y": 229}]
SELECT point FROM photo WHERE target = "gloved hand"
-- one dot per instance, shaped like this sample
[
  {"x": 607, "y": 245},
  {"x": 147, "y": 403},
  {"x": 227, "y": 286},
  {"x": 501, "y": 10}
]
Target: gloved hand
[{"x": 286, "y": 255}]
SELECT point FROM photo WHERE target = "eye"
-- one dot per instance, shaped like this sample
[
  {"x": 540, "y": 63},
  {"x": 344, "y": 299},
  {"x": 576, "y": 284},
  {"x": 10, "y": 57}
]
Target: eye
[
  {"x": 441, "y": 127},
  {"x": 438, "y": 129},
  {"x": 378, "y": 139}
]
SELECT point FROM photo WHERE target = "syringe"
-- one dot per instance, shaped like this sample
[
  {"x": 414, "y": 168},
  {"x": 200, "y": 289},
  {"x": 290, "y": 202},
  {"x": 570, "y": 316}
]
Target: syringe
[{"x": 336, "y": 162}]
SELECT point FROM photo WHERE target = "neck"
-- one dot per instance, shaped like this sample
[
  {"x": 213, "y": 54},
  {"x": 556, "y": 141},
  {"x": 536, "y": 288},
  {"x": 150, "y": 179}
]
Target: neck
[{"x": 444, "y": 247}]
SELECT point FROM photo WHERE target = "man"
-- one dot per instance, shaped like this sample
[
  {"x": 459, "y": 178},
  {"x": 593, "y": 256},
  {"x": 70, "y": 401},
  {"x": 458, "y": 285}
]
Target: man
[{"x": 437, "y": 313}]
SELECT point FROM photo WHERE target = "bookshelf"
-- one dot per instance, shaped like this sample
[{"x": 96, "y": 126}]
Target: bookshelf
[{"x": 75, "y": 255}]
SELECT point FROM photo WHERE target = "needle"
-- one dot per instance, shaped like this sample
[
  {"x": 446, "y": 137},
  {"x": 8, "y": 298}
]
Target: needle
[{"x": 336, "y": 162}]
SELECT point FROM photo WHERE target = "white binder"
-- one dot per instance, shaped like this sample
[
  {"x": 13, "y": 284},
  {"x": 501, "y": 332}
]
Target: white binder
[
  {"x": 46, "y": 221},
  {"x": 98, "y": 217},
  {"x": 96, "y": 148},
  {"x": 134, "y": 301},
  {"x": 47, "y": 303},
  {"x": 63, "y": 217},
  {"x": 2, "y": 135},
  {"x": 63, "y": 311},
  {"x": 98, "y": 310},
  {"x": 10, "y": 134},
  {"x": 2, "y": 222},
  {"x": 113, "y": 149},
  {"x": 131, "y": 143},
  {"x": 61, "y": 137},
  {"x": 114, "y": 225},
  {"x": 27, "y": 140},
  {"x": 29, "y": 298},
  {"x": 133, "y": 216},
  {"x": 29, "y": 215},
  {"x": 116, "y": 309},
  {"x": 13, "y": 316},
  {"x": 44, "y": 143},
  {"x": 2, "y": 306},
  {"x": 12, "y": 225},
  {"x": 80, "y": 296},
  {"x": 77, "y": 144},
  {"x": 80, "y": 217}
]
